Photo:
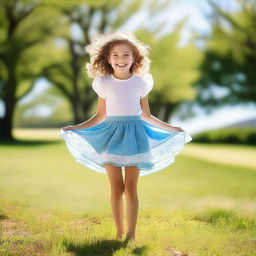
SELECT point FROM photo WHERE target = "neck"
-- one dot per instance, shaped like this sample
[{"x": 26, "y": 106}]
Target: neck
[{"x": 122, "y": 76}]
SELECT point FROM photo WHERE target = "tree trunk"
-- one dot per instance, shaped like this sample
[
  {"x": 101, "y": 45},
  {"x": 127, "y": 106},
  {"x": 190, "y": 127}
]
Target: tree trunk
[
  {"x": 75, "y": 110},
  {"x": 6, "y": 120},
  {"x": 169, "y": 109},
  {"x": 5, "y": 128}
]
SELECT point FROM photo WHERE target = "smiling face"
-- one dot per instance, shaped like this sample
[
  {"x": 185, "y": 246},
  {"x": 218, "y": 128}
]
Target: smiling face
[{"x": 121, "y": 59}]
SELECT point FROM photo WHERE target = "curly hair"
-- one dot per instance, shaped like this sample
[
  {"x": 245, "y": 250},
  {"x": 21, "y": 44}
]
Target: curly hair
[{"x": 101, "y": 46}]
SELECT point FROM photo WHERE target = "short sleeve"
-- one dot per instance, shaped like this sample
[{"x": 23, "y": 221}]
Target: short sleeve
[
  {"x": 148, "y": 83},
  {"x": 97, "y": 87}
]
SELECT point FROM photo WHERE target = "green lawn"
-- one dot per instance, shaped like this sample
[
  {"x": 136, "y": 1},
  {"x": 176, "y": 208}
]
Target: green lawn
[{"x": 51, "y": 205}]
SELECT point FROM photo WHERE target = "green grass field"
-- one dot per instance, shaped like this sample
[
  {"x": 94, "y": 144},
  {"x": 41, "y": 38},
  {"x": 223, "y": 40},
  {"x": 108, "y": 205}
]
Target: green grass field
[{"x": 51, "y": 205}]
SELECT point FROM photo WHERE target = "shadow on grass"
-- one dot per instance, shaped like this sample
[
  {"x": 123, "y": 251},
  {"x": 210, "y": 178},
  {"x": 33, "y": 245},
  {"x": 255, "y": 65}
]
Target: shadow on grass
[
  {"x": 3, "y": 217},
  {"x": 103, "y": 248},
  {"x": 32, "y": 143}
]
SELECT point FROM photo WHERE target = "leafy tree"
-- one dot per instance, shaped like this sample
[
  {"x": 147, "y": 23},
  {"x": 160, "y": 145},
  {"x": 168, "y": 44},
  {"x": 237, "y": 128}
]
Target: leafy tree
[
  {"x": 174, "y": 69},
  {"x": 230, "y": 57},
  {"x": 38, "y": 55},
  {"x": 43, "y": 22},
  {"x": 24, "y": 25},
  {"x": 69, "y": 75}
]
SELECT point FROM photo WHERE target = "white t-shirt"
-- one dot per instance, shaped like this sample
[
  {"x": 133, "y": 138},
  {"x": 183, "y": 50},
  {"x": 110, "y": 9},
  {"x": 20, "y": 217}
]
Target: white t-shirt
[{"x": 123, "y": 95}]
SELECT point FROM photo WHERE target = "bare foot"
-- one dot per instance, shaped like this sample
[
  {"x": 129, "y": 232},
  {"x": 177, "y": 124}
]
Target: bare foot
[
  {"x": 119, "y": 236},
  {"x": 130, "y": 237}
]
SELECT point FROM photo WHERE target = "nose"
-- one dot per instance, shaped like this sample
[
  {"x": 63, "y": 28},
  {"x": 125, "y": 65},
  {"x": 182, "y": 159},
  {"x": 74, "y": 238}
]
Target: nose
[{"x": 121, "y": 58}]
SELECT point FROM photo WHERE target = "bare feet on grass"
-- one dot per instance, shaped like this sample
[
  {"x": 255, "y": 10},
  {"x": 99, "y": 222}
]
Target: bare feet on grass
[
  {"x": 119, "y": 236},
  {"x": 130, "y": 237}
]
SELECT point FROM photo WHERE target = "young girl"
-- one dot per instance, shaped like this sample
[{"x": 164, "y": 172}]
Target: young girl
[{"x": 123, "y": 135}]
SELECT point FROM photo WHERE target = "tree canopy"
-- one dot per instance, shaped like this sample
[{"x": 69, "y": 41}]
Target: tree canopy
[{"x": 228, "y": 69}]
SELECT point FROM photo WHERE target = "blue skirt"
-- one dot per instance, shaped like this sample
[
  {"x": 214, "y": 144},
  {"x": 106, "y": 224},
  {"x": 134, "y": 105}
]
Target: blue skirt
[{"x": 125, "y": 141}]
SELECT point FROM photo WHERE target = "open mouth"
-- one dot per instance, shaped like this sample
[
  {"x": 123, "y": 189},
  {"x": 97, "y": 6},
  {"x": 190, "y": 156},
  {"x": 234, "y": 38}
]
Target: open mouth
[{"x": 121, "y": 65}]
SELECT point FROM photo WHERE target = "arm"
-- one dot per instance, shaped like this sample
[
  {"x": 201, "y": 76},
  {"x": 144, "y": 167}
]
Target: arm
[
  {"x": 146, "y": 116},
  {"x": 94, "y": 120}
]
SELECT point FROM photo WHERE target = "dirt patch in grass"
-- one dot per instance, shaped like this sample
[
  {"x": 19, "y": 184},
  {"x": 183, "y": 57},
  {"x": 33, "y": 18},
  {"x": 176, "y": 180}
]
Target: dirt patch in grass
[{"x": 17, "y": 239}]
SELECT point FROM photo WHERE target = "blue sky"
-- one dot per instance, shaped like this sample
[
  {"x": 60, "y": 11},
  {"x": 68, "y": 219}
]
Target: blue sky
[{"x": 195, "y": 11}]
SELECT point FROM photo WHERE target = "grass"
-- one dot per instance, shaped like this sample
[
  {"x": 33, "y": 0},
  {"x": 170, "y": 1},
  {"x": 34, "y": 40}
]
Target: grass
[
  {"x": 236, "y": 155},
  {"x": 51, "y": 205}
]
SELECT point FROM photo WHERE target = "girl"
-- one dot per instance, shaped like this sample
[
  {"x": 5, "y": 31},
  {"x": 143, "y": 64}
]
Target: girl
[{"x": 123, "y": 135}]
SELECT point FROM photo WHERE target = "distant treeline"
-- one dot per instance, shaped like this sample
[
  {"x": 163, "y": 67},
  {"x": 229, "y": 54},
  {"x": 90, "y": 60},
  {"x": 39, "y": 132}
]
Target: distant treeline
[
  {"x": 236, "y": 135},
  {"x": 43, "y": 125}
]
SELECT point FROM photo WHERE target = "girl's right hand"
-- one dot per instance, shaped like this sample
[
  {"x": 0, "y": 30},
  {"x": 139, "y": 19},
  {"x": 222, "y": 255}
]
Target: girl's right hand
[
  {"x": 179, "y": 128},
  {"x": 69, "y": 127}
]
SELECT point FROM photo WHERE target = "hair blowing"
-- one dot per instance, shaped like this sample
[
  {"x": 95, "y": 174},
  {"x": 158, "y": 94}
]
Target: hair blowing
[{"x": 101, "y": 46}]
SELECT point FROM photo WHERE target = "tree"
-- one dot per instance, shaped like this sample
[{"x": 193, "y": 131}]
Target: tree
[
  {"x": 230, "y": 57},
  {"x": 24, "y": 25},
  {"x": 63, "y": 66},
  {"x": 43, "y": 22},
  {"x": 174, "y": 69},
  {"x": 69, "y": 76}
]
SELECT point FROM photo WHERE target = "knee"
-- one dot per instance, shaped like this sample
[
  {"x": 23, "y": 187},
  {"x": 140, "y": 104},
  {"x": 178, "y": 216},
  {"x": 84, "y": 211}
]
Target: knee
[
  {"x": 130, "y": 192},
  {"x": 117, "y": 190}
]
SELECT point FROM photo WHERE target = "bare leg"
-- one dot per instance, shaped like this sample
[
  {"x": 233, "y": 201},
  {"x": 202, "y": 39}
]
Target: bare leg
[
  {"x": 132, "y": 202},
  {"x": 117, "y": 190}
]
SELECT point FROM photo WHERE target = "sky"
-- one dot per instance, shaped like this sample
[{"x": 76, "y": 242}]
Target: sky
[{"x": 195, "y": 11}]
